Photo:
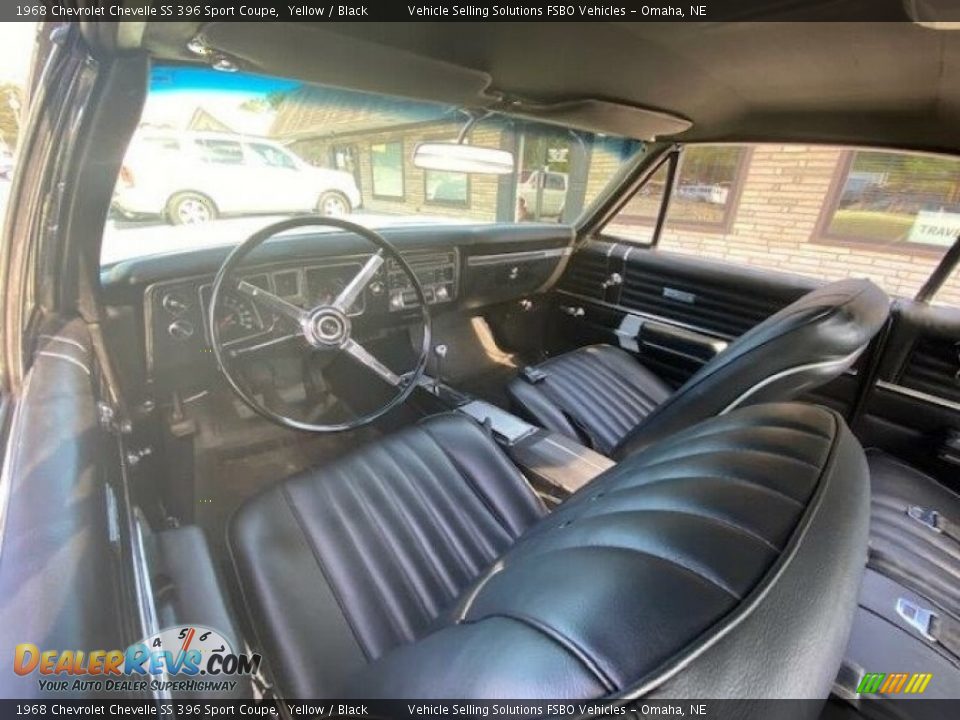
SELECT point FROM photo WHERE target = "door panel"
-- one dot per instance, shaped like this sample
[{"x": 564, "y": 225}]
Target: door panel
[
  {"x": 58, "y": 569},
  {"x": 674, "y": 312},
  {"x": 914, "y": 409}
]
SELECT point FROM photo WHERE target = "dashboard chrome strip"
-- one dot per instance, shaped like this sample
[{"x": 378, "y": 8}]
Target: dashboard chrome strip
[
  {"x": 918, "y": 395},
  {"x": 514, "y": 257}
]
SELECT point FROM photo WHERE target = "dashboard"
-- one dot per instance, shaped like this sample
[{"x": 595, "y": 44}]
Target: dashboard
[{"x": 461, "y": 268}]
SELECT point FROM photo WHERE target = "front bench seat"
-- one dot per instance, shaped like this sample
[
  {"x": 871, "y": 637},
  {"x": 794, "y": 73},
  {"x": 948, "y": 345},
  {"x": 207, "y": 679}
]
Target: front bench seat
[
  {"x": 722, "y": 562},
  {"x": 601, "y": 396}
]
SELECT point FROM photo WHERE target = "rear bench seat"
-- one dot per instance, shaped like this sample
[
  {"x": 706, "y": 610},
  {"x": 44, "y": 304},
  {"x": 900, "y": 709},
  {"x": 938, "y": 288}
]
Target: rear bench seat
[{"x": 909, "y": 615}]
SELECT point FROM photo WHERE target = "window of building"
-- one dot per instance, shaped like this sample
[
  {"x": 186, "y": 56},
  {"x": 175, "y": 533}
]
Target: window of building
[
  {"x": 386, "y": 160},
  {"x": 446, "y": 188},
  {"x": 818, "y": 211},
  {"x": 221, "y": 152},
  {"x": 895, "y": 199}
]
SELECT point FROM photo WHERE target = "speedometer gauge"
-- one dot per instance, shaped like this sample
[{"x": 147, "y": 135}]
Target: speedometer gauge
[{"x": 237, "y": 317}]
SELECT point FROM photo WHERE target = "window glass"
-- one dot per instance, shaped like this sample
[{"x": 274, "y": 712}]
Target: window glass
[
  {"x": 819, "y": 211},
  {"x": 949, "y": 293},
  {"x": 707, "y": 180},
  {"x": 387, "y": 162},
  {"x": 221, "y": 152},
  {"x": 331, "y": 143},
  {"x": 274, "y": 157},
  {"x": 451, "y": 188},
  {"x": 636, "y": 220},
  {"x": 896, "y": 199}
]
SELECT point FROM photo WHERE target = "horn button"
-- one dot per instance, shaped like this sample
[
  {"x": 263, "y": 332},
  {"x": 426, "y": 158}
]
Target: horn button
[{"x": 326, "y": 327}]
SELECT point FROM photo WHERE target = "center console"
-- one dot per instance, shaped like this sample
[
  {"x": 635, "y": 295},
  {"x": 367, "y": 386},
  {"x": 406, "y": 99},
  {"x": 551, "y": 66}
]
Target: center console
[{"x": 554, "y": 464}]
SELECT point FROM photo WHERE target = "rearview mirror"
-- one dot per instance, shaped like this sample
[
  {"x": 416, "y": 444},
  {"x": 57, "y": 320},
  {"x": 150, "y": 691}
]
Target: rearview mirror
[{"x": 452, "y": 157}]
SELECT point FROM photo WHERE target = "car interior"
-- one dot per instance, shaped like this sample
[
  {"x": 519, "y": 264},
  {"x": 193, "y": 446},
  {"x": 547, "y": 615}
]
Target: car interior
[{"x": 521, "y": 458}]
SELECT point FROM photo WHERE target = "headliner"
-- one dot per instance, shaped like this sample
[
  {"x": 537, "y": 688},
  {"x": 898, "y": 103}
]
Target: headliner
[{"x": 886, "y": 83}]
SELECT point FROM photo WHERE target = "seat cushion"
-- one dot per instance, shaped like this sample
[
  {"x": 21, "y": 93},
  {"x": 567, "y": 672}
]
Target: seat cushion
[
  {"x": 596, "y": 394},
  {"x": 695, "y": 569},
  {"x": 340, "y": 564},
  {"x": 905, "y": 549}
]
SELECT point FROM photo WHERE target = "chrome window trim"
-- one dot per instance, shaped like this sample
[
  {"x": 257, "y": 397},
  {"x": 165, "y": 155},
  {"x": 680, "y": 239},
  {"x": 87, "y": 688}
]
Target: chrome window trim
[
  {"x": 650, "y": 316},
  {"x": 515, "y": 257},
  {"x": 918, "y": 395}
]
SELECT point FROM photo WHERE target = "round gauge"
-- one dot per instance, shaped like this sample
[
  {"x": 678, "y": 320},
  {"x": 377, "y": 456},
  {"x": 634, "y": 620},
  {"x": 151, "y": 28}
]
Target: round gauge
[
  {"x": 237, "y": 318},
  {"x": 327, "y": 290}
]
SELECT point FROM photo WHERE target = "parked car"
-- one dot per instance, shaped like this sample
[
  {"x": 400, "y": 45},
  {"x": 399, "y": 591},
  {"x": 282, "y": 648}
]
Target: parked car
[
  {"x": 554, "y": 196},
  {"x": 194, "y": 177}
]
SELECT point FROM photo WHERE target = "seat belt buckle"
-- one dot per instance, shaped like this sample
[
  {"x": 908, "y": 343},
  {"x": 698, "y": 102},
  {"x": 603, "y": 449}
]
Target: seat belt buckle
[
  {"x": 926, "y": 516},
  {"x": 919, "y": 618},
  {"x": 533, "y": 375}
]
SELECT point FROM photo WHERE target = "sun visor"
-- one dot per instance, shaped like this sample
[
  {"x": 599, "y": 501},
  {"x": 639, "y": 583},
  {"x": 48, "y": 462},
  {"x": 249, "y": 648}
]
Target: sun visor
[
  {"x": 314, "y": 54},
  {"x": 306, "y": 52},
  {"x": 603, "y": 116}
]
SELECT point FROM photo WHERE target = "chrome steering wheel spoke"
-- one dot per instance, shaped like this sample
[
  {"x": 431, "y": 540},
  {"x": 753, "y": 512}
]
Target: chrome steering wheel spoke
[
  {"x": 272, "y": 302},
  {"x": 348, "y": 296},
  {"x": 327, "y": 328},
  {"x": 363, "y": 356}
]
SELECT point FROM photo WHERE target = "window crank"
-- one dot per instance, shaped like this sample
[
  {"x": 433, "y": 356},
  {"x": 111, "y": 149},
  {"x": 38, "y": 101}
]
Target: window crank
[{"x": 613, "y": 280}]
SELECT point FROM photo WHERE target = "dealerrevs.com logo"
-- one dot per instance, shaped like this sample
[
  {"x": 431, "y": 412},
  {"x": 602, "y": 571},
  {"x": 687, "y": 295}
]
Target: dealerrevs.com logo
[{"x": 184, "y": 658}]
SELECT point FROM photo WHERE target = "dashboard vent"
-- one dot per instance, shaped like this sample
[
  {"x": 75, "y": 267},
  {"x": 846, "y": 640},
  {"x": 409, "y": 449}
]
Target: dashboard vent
[{"x": 934, "y": 368}]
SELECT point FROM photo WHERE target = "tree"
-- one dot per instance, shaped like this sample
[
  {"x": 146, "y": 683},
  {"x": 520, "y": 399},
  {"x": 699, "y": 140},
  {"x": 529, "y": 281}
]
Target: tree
[{"x": 11, "y": 100}]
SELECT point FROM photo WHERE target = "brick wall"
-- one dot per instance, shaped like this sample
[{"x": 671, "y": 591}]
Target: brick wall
[
  {"x": 775, "y": 225},
  {"x": 482, "y": 195}
]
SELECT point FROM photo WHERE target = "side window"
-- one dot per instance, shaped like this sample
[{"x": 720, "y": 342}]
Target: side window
[
  {"x": 819, "y": 211},
  {"x": 220, "y": 152},
  {"x": 271, "y": 156},
  {"x": 949, "y": 293},
  {"x": 708, "y": 183},
  {"x": 386, "y": 160},
  {"x": 637, "y": 219}
]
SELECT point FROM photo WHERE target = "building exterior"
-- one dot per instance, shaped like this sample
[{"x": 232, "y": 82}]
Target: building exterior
[{"x": 824, "y": 212}]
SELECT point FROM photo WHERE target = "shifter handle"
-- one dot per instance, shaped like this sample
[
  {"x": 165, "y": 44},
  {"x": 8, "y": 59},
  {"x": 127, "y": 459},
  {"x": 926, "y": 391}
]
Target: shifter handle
[{"x": 440, "y": 351}]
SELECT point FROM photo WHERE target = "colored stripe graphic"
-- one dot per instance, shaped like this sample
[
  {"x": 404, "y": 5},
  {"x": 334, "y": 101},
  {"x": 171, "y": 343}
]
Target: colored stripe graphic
[{"x": 894, "y": 683}]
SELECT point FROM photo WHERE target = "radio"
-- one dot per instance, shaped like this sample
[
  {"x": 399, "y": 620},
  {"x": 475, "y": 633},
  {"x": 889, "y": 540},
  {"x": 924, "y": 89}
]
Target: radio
[{"x": 437, "y": 273}]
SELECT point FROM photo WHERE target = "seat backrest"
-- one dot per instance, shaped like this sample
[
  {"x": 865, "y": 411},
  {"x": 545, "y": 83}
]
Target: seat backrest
[
  {"x": 725, "y": 561},
  {"x": 803, "y": 346}
]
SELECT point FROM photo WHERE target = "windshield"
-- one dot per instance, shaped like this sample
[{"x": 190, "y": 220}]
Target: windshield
[{"x": 218, "y": 155}]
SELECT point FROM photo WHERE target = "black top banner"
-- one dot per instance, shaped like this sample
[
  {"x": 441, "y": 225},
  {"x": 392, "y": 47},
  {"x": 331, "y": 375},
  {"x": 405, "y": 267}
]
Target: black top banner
[{"x": 929, "y": 11}]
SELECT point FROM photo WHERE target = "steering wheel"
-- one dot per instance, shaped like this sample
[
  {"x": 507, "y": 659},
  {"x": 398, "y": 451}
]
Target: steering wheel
[{"x": 325, "y": 328}]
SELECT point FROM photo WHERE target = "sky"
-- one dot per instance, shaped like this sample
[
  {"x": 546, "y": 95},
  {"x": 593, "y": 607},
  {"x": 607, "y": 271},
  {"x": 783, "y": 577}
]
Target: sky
[{"x": 16, "y": 39}]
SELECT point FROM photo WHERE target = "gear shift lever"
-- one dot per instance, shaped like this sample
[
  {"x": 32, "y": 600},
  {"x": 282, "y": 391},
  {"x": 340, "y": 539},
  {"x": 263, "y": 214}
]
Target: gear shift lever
[{"x": 440, "y": 352}]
